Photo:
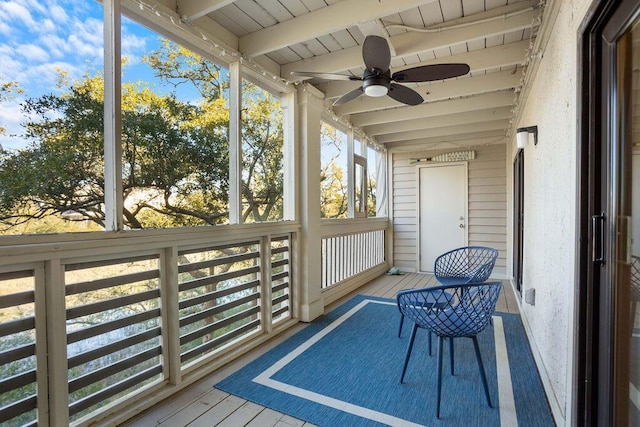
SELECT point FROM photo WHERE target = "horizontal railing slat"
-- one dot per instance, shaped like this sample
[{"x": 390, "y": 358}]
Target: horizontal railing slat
[
  {"x": 93, "y": 331},
  {"x": 110, "y": 304},
  {"x": 13, "y": 275},
  {"x": 281, "y": 298},
  {"x": 17, "y": 381},
  {"x": 220, "y": 248},
  {"x": 230, "y": 259},
  {"x": 114, "y": 389},
  {"x": 19, "y": 298},
  {"x": 219, "y": 324},
  {"x": 280, "y": 263},
  {"x": 16, "y": 326},
  {"x": 280, "y": 311},
  {"x": 279, "y": 276},
  {"x": 194, "y": 352},
  {"x": 112, "y": 369},
  {"x": 109, "y": 282},
  {"x": 17, "y": 353},
  {"x": 201, "y": 299},
  {"x": 280, "y": 250},
  {"x": 14, "y": 409},
  {"x": 108, "y": 262},
  {"x": 196, "y": 283},
  {"x": 90, "y": 355}
]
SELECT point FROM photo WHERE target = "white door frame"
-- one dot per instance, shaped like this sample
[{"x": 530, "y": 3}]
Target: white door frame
[{"x": 419, "y": 214}]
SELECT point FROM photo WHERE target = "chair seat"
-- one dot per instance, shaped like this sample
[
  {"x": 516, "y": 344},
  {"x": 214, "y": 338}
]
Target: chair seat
[{"x": 437, "y": 299}]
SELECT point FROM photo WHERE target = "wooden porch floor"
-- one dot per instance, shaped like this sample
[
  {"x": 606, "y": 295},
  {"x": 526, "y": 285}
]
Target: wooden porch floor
[{"x": 203, "y": 405}]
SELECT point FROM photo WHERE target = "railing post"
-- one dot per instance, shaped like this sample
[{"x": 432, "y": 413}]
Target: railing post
[
  {"x": 169, "y": 302},
  {"x": 265, "y": 284},
  {"x": 42, "y": 370},
  {"x": 58, "y": 370}
]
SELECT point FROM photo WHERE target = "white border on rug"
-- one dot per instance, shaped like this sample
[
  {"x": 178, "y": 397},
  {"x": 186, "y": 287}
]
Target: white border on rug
[{"x": 505, "y": 390}]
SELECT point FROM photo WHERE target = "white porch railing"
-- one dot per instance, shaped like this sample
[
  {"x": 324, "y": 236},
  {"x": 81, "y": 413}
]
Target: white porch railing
[
  {"x": 104, "y": 319},
  {"x": 351, "y": 247}
]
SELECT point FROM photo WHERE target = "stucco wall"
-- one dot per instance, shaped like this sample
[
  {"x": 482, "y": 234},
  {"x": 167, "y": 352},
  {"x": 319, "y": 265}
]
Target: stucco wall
[{"x": 550, "y": 205}]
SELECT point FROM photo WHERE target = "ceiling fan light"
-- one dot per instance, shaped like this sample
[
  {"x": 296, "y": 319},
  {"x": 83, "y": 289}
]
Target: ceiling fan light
[{"x": 376, "y": 90}]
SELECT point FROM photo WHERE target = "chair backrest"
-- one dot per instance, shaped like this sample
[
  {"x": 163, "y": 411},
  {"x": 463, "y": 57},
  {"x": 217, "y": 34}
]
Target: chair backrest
[
  {"x": 451, "y": 311},
  {"x": 470, "y": 264},
  {"x": 635, "y": 278}
]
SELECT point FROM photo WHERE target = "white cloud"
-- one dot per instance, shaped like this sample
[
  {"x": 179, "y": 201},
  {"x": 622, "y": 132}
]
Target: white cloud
[
  {"x": 33, "y": 53},
  {"x": 10, "y": 119},
  {"x": 58, "y": 14},
  {"x": 14, "y": 10},
  {"x": 86, "y": 38},
  {"x": 54, "y": 44}
]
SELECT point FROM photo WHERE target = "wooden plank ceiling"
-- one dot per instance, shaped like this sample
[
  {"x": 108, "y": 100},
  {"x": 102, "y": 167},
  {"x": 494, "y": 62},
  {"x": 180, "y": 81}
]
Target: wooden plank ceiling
[{"x": 494, "y": 37}]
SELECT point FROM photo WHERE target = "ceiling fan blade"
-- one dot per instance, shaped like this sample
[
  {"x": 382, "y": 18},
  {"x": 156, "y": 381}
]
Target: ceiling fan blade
[
  {"x": 328, "y": 76},
  {"x": 349, "y": 96},
  {"x": 376, "y": 53},
  {"x": 405, "y": 95},
  {"x": 427, "y": 73}
]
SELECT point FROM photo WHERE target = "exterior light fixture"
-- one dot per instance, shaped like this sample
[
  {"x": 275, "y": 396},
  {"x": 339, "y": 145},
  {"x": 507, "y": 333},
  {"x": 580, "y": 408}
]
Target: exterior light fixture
[
  {"x": 376, "y": 90},
  {"x": 523, "y": 135}
]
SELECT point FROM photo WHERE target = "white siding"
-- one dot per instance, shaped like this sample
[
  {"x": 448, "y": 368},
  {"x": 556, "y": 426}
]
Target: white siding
[{"x": 487, "y": 218}]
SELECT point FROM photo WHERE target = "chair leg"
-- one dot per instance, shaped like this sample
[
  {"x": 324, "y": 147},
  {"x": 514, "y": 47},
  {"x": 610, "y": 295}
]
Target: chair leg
[
  {"x": 451, "y": 353},
  {"x": 401, "y": 321},
  {"x": 409, "y": 348},
  {"x": 439, "y": 386},
  {"x": 429, "y": 337},
  {"x": 481, "y": 367}
]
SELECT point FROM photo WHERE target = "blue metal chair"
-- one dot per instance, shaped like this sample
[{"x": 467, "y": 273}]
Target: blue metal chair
[
  {"x": 469, "y": 264},
  {"x": 450, "y": 311}
]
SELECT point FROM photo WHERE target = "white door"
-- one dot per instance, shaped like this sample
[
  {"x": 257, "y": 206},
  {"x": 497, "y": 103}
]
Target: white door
[{"x": 443, "y": 211}]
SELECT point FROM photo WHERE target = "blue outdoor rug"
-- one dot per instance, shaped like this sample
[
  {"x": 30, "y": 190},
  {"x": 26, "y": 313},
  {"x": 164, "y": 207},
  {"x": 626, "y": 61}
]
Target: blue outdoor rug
[{"x": 344, "y": 370}]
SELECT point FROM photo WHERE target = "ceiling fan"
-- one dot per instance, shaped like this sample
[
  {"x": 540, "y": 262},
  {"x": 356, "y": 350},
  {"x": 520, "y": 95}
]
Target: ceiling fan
[{"x": 377, "y": 79}]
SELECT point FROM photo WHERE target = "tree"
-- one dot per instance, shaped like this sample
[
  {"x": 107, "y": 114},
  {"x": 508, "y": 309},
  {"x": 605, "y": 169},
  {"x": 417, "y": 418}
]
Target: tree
[{"x": 175, "y": 153}]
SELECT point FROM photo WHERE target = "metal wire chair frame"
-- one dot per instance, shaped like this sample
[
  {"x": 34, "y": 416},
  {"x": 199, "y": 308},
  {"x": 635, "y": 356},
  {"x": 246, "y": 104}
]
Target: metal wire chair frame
[
  {"x": 464, "y": 311},
  {"x": 468, "y": 264}
]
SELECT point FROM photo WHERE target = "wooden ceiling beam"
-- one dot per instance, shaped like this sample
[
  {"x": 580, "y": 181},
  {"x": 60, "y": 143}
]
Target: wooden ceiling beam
[
  {"x": 325, "y": 20},
  {"x": 445, "y": 131},
  {"x": 467, "y": 86},
  {"x": 194, "y": 9},
  {"x": 433, "y": 109},
  {"x": 489, "y": 114},
  {"x": 412, "y": 43}
]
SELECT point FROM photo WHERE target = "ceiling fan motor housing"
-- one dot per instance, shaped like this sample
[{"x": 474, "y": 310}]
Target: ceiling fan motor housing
[{"x": 376, "y": 83}]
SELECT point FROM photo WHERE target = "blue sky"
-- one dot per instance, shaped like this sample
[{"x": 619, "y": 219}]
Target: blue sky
[{"x": 37, "y": 38}]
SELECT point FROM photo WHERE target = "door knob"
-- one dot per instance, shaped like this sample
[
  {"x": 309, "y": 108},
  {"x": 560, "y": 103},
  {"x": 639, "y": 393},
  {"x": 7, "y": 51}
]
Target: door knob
[{"x": 461, "y": 226}]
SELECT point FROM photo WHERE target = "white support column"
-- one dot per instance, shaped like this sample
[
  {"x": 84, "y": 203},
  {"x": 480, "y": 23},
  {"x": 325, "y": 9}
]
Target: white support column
[
  {"x": 351, "y": 179},
  {"x": 113, "y": 200},
  {"x": 310, "y": 111},
  {"x": 291, "y": 153},
  {"x": 57, "y": 366},
  {"x": 235, "y": 142},
  {"x": 170, "y": 315}
]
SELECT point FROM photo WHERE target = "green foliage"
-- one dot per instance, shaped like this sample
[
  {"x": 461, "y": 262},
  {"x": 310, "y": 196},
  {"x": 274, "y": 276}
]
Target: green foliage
[{"x": 175, "y": 153}]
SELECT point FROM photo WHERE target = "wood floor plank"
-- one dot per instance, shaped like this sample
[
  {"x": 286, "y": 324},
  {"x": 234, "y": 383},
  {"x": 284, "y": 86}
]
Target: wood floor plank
[
  {"x": 171, "y": 406},
  {"x": 194, "y": 410},
  {"x": 242, "y": 416},
  {"x": 218, "y": 413},
  {"x": 266, "y": 418}
]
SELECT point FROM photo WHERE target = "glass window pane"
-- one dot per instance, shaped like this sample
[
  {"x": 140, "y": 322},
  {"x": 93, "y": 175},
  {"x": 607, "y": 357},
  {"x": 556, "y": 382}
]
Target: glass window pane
[
  {"x": 372, "y": 180},
  {"x": 175, "y": 143},
  {"x": 333, "y": 174},
  {"x": 51, "y": 110},
  {"x": 262, "y": 155}
]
